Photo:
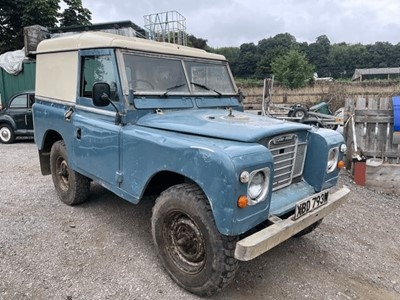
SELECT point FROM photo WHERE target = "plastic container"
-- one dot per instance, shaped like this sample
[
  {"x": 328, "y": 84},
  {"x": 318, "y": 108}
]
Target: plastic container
[
  {"x": 396, "y": 112},
  {"x": 374, "y": 162}
]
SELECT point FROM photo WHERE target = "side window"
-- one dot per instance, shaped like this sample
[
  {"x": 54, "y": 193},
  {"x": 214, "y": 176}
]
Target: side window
[
  {"x": 98, "y": 68},
  {"x": 19, "y": 102}
]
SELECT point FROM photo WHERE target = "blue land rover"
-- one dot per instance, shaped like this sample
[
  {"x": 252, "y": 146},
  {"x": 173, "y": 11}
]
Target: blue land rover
[{"x": 137, "y": 116}]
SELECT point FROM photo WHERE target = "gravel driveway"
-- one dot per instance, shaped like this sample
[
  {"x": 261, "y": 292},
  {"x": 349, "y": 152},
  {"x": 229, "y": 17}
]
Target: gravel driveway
[{"x": 103, "y": 248}]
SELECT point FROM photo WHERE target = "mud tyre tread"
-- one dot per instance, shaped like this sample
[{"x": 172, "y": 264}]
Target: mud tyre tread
[
  {"x": 220, "y": 265},
  {"x": 72, "y": 188}
]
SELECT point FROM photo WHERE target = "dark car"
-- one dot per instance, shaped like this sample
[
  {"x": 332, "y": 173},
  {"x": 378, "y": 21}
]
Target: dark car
[{"x": 16, "y": 118}]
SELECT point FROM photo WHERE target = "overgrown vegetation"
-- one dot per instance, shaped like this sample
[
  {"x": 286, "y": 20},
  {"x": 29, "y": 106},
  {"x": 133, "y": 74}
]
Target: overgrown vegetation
[
  {"x": 16, "y": 14},
  {"x": 335, "y": 60}
]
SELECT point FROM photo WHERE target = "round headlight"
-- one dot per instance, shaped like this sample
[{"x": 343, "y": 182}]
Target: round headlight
[
  {"x": 333, "y": 155},
  {"x": 256, "y": 185}
]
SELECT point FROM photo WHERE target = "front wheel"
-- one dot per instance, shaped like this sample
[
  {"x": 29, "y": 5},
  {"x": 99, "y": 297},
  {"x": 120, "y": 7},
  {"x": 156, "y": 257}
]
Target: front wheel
[
  {"x": 193, "y": 252},
  {"x": 72, "y": 188}
]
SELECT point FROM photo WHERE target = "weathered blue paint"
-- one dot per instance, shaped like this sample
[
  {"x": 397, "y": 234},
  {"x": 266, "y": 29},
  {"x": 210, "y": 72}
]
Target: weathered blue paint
[
  {"x": 217, "y": 123},
  {"x": 211, "y": 153},
  {"x": 194, "y": 137},
  {"x": 320, "y": 141}
]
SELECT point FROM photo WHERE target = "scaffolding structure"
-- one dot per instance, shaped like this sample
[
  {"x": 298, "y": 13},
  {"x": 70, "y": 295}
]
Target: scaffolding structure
[{"x": 169, "y": 26}]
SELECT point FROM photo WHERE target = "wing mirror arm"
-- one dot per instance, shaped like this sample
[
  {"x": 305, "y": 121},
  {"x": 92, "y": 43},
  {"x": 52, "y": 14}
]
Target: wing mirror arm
[{"x": 101, "y": 98}]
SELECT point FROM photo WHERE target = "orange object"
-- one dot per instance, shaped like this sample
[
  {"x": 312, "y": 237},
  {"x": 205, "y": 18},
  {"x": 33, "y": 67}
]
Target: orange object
[
  {"x": 340, "y": 164},
  {"x": 242, "y": 201}
]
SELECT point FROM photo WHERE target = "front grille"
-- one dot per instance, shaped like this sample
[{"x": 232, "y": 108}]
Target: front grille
[{"x": 289, "y": 154}]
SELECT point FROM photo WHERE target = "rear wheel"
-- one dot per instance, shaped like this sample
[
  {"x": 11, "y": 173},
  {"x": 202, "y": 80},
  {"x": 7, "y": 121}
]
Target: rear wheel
[
  {"x": 7, "y": 135},
  {"x": 189, "y": 245},
  {"x": 72, "y": 188}
]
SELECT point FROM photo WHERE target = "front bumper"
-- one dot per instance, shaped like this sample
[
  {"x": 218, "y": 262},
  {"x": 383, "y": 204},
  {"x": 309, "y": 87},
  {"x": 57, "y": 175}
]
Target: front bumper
[{"x": 282, "y": 229}]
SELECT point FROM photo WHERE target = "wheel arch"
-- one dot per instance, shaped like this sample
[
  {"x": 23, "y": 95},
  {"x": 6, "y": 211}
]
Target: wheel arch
[
  {"x": 8, "y": 121},
  {"x": 163, "y": 180},
  {"x": 50, "y": 137}
]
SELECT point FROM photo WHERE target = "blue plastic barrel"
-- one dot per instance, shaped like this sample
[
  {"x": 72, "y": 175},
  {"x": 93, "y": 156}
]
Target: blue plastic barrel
[{"x": 396, "y": 112}]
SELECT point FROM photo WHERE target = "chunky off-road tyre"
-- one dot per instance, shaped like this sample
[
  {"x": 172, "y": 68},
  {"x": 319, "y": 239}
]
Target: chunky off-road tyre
[
  {"x": 7, "y": 135},
  {"x": 193, "y": 252},
  {"x": 308, "y": 229},
  {"x": 72, "y": 188}
]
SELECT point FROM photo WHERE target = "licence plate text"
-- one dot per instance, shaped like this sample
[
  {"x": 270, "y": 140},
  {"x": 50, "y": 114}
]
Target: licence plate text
[{"x": 305, "y": 206}]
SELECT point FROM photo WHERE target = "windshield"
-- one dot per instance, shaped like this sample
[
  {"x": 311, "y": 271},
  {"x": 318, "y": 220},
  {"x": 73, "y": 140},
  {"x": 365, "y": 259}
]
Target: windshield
[
  {"x": 165, "y": 76},
  {"x": 209, "y": 78}
]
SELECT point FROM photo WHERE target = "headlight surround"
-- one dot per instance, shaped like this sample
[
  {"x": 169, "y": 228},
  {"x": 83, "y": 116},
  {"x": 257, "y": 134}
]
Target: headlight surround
[
  {"x": 258, "y": 184},
  {"x": 333, "y": 156}
]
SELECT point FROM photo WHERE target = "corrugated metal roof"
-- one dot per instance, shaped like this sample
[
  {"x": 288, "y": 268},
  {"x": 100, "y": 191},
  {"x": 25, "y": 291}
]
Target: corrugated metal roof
[{"x": 374, "y": 71}]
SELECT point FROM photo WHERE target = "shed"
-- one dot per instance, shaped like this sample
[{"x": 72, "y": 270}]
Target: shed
[{"x": 359, "y": 74}]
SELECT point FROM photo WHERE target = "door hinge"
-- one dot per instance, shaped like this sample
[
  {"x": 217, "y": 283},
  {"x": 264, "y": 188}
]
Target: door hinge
[{"x": 119, "y": 177}]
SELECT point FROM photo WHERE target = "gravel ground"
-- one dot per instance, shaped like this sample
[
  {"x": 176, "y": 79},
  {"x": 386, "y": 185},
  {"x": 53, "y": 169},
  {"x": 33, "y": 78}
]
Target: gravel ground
[{"x": 103, "y": 248}]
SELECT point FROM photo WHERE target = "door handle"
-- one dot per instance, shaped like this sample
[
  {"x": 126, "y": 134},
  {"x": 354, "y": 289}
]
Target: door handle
[
  {"x": 78, "y": 133},
  {"x": 68, "y": 114}
]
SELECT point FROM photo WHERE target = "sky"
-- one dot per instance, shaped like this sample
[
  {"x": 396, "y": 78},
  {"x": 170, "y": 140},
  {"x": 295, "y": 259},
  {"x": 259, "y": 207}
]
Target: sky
[{"x": 225, "y": 23}]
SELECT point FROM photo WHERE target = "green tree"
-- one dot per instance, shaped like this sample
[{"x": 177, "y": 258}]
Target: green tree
[
  {"x": 75, "y": 14},
  {"x": 197, "y": 42},
  {"x": 271, "y": 48},
  {"x": 247, "y": 64},
  {"x": 318, "y": 53},
  {"x": 344, "y": 59},
  {"x": 232, "y": 55},
  {"x": 16, "y": 14},
  {"x": 292, "y": 69}
]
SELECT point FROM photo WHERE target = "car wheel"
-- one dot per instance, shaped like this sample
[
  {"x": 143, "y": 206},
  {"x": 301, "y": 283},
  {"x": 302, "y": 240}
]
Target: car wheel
[
  {"x": 308, "y": 229},
  {"x": 299, "y": 113},
  {"x": 7, "y": 135},
  {"x": 72, "y": 188},
  {"x": 193, "y": 252}
]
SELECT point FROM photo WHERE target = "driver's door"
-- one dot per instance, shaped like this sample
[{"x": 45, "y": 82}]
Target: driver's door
[{"x": 96, "y": 136}]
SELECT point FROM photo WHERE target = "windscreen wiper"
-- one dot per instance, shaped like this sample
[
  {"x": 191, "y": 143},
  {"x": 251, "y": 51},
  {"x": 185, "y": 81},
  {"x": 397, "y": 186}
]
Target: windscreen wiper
[
  {"x": 206, "y": 88},
  {"x": 171, "y": 88}
]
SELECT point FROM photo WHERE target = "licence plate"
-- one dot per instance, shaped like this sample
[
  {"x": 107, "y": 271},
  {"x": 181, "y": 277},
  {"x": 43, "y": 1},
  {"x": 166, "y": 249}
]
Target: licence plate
[{"x": 305, "y": 206}]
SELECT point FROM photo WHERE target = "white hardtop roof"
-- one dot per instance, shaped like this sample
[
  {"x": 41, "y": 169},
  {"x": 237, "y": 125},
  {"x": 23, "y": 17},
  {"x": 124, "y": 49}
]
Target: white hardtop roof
[{"x": 95, "y": 40}]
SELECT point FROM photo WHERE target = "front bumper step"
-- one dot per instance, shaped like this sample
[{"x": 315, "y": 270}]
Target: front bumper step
[{"x": 283, "y": 229}]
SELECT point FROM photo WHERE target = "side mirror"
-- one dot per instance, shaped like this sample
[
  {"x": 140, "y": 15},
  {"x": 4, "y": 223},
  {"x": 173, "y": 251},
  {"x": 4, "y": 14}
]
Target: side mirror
[{"x": 101, "y": 94}]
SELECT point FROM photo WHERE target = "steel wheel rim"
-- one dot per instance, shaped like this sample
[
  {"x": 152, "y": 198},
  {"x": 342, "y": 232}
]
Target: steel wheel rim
[
  {"x": 184, "y": 242},
  {"x": 299, "y": 114},
  {"x": 5, "y": 134},
  {"x": 62, "y": 173}
]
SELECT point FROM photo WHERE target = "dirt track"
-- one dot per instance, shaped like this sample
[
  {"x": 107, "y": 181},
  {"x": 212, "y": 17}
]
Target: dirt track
[{"x": 103, "y": 249}]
